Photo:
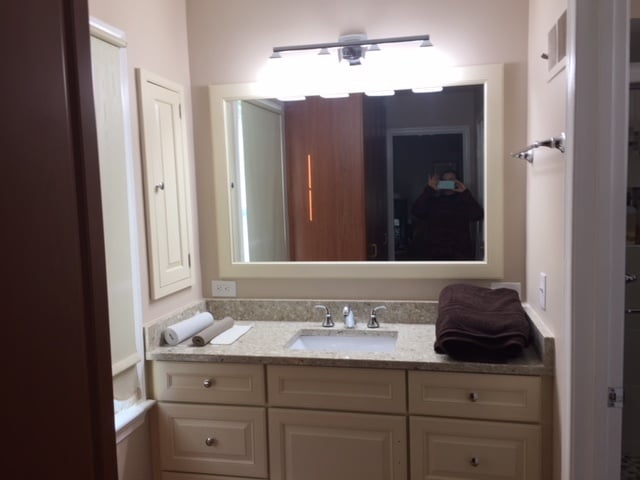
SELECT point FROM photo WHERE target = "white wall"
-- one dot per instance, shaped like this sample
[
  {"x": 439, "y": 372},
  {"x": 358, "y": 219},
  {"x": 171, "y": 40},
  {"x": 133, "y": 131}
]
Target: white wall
[
  {"x": 546, "y": 209},
  {"x": 156, "y": 41},
  {"x": 156, "y": 32},
  {"x": 229, "y": 41}
]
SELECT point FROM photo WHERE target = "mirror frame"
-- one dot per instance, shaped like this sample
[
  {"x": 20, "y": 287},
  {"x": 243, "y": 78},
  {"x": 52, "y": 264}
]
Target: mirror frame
[{"x": 492, "y": 267}]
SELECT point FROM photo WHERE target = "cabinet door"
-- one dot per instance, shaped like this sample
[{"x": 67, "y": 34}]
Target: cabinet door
[
  {"x": 473, "y": 450},
  {"x": 314, "y": 445},
  {"x": 166, "y": 184}
]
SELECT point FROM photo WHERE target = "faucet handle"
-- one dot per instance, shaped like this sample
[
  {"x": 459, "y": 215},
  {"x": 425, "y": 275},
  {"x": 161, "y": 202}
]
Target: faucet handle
[
  {"x": 328, "y": 321},
  {"x": 373, "y": 318}
]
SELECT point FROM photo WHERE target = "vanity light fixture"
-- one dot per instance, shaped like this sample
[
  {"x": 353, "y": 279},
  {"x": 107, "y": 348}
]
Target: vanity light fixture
[
  {"x": 379, "y": 93},
  {"x": 354, "y": 64},
  {"x": 427, "y": 90},
  {"x": 334, "y": 95},
  {"x": 292, "y": 98},
  {"x": 353, "y": 47}
]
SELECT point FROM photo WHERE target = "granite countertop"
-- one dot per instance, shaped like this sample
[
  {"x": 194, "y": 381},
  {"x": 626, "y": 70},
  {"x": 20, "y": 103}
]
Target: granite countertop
[{"x": 267, "y": 342}]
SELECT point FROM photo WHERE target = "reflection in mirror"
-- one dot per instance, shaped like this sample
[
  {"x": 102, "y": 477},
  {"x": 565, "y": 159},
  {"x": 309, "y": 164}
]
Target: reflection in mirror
[
  {"x": 357, "y": 178},
  {"x": 327, "y": 187}
]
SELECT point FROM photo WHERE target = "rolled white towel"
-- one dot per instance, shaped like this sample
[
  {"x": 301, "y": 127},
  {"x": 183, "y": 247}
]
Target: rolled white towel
[
  {"x": 180, "y": 331},
  {"x": 209, "y": 333}
]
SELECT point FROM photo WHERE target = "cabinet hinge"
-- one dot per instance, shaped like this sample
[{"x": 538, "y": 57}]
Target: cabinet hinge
[
  {"x": 189, "y": 259},
  {"x": 180, "y": 110},
  {"x": 615, "y": 397}
]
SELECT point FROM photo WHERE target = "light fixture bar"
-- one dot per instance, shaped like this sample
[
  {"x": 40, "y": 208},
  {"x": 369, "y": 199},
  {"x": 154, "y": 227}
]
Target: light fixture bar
[{"x": 426, "y": 42}]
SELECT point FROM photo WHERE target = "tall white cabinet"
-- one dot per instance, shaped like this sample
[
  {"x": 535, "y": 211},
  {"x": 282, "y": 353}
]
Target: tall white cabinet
[{"x": 166, "y": 183}]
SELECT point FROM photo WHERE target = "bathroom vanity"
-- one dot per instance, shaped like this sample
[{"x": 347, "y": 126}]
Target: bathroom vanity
[{"x": 258, "y": 409}]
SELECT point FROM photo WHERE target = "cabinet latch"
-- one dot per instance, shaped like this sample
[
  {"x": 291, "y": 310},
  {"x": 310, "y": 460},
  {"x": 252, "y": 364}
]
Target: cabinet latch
[{"x": 615, "y": 397}]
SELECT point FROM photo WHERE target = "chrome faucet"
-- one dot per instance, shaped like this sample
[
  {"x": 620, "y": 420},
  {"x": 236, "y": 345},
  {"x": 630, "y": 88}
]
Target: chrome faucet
[
  {"x": 373, "y": 318},
  {"x": 349, "y": 318},
  {"x": 328, "y": 321}
]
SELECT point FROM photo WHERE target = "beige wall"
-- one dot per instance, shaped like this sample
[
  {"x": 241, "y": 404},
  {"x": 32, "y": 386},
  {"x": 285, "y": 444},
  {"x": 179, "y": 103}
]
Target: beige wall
[
  {"x": 134, "y": 454},
  {"x": 156, "y": 32},
  {"x": 229, "y": 41},
  {"x": 546, "y": 208}
]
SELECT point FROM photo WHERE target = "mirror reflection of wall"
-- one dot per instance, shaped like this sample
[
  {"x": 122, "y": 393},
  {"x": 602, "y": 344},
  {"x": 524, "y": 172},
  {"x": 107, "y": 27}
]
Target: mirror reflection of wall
[
  {"x": 258, "y": 197},
  {"x": 633, "y": 170},
  {"x": 339, "y": 182}
]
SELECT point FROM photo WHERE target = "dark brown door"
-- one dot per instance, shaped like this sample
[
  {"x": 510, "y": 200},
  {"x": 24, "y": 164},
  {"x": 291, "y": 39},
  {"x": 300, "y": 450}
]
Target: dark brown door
[
  {"x": 325, "y": 172},
  {"x": 57, "y": 400}
]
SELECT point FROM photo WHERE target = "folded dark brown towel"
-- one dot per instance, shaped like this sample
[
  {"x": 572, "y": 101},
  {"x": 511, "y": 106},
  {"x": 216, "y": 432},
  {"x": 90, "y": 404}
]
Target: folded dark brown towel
[{"x": 477, "y": 323}]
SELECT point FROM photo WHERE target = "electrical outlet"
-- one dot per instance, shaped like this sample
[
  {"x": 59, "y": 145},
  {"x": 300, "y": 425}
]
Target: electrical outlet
[
  {"x": 542, "y": 290},
  {"x": 220, "y": 288}
]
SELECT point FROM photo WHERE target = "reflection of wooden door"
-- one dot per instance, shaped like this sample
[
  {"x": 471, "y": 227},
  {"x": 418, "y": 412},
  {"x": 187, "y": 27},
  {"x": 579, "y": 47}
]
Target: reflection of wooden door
[{"x": 325, "y": 171}]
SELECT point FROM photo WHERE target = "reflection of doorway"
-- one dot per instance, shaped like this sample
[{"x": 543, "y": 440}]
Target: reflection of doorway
[
  {"x": 631, "y": 376},
  {"x": 413, "y": 154},
  {"x": 258, "y": 192}
]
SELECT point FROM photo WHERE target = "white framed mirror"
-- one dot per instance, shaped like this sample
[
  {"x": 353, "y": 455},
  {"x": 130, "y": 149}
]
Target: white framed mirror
[{"x": 242, "y": 254}]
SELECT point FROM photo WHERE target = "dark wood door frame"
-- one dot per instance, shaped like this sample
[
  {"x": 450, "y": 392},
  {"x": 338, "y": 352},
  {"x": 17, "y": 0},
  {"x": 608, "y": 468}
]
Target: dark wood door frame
[{"x": 57, "y": 402}]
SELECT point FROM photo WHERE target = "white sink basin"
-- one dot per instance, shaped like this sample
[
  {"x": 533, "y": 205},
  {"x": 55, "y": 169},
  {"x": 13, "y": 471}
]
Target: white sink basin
[{"x": 344, "y": 341}]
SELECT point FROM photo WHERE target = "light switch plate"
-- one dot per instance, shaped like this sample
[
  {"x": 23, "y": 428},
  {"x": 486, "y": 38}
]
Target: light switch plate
[{"x": 542, "y": 290}]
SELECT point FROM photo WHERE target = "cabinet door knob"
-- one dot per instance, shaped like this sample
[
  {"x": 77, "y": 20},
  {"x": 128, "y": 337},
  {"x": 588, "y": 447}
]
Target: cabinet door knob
[
  {"x": 475, "y": 461},
  {"x": 207, "y": 383},
  {"x": 159, "y": 186},
  {"x": 210, "y": 441},
  {"x": 474, "y": 397}
]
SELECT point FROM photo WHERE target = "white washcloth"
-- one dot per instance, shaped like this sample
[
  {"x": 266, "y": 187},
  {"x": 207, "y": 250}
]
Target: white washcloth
[
  {"x": 180, "y": 331},
  {"x": 231, "y": 335}
]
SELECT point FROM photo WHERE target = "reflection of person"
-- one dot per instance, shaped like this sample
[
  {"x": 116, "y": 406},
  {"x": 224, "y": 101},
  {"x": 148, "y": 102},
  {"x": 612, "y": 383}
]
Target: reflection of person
[{"x": 444, "y": 211}]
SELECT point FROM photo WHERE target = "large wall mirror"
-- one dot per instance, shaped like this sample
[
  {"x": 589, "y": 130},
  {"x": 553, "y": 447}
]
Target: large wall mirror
[{"x": 402, "y": 186}]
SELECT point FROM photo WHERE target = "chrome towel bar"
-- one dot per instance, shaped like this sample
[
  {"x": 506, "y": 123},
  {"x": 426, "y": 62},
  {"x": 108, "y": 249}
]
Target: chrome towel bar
[{"x": 553, "y": 142}]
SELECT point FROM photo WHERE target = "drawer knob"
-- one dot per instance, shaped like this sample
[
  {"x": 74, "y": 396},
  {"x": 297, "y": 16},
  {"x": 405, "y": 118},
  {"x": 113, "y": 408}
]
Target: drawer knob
[
  {"x": 474, "y": 397},
  {"x": 475, "y": 461},
  {"x": 210, "y": 441},
  {"x": 207, "y": 383}
]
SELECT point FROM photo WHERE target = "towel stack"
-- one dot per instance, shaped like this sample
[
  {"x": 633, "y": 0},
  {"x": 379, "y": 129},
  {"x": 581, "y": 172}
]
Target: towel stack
[
  {"x": 201, "y": 327},
  {"x": 481, "y": 323}
]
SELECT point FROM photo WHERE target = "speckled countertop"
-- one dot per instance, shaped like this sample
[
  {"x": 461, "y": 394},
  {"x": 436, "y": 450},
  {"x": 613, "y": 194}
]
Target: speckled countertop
[{"x": 267, "y": 342}]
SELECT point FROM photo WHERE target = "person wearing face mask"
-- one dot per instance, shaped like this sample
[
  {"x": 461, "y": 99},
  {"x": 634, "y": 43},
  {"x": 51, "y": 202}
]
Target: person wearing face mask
[{"x": 443, "y": 214}]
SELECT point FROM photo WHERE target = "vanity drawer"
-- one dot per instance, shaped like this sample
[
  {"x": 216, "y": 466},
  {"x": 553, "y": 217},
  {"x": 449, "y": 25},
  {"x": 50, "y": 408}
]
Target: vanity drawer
[
  {"x": 213, "y": 439},
  {"x": 197, "y": 476},
  {"x": 208, "y": 383},
  {"x": 450, "y": 448},
  {"x": 493, "y": 397},
  {"x": 365, "y": 390}
]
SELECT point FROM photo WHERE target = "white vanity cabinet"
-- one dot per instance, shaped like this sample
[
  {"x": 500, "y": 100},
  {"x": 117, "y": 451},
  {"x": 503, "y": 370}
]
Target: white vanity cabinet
[
  {"x": 321, "y": 426},
  {"x": 240, "y": 421},
  {"x": 210, "y": 419},
  {"x": 473, "y": 426}
]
